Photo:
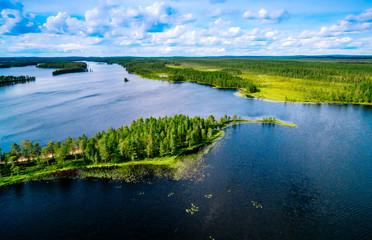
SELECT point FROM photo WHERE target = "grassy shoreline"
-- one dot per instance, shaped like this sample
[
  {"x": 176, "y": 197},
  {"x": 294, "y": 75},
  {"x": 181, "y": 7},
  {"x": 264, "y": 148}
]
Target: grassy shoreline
[
  {"x": 334, "y": 82},
  {"x": 258, "y": 95},
  {"x": 172, "y": 166},
  {"x": 278, "y": 100}
]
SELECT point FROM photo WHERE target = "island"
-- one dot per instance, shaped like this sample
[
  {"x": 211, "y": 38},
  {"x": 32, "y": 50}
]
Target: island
[
  {"x": 65, "y": 67},
  {"x": 147, "y": 147},
  {"x": 11, "y": 80}
]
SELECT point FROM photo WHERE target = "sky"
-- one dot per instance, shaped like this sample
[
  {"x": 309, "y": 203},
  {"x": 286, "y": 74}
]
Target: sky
[{"x": 185, "y": 27}]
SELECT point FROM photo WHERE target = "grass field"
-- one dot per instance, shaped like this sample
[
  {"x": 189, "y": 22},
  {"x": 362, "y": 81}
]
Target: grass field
[{"x": 291, "y": 89}]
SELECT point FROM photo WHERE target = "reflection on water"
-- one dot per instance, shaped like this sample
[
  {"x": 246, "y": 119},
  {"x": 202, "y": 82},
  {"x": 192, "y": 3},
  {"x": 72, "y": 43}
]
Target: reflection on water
[{"x": 312, "y": 182}]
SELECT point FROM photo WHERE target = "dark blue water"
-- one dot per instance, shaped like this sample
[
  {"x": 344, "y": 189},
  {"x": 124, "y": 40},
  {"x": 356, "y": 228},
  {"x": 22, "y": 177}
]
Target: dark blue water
[{"x": 313, "y": 181}]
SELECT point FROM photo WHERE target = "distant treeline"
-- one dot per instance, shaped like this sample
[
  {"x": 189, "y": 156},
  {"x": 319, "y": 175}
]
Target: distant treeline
[
  {"x": 337, "y": 71},
  {"x": 65, "y": 67},
  {"x": 10, "y": 80},
  {"x": 29, "y": 61}
]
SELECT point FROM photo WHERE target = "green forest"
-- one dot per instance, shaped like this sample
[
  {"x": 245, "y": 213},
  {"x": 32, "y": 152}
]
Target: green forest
[
  {"x": 334, "y": 80},
  {"x": 152, "y": 68},
  {"x": 345, "y": 81},
  {"x": 65, "y": 67},
  {"x": 144, "y": 144},
  {"x": 7, "y": 62},
  {"x": 10, "y": 80},
  {"x": 142, "y": 139},
  {"x": 342, "y": 79}
]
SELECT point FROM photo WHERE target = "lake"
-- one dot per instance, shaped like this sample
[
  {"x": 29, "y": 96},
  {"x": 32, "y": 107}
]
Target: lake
[{"x": 266, "y": 182}]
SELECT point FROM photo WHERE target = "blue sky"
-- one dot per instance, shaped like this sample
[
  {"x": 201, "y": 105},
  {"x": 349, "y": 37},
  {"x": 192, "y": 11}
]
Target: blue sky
[{"x": 185, "y": 28}]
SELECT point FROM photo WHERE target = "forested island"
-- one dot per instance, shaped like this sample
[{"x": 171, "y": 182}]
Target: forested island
[
  {"x": 144, "y": 147},
  {"x": 65, "y": 67},
  {"x": 10, "y": 80}
]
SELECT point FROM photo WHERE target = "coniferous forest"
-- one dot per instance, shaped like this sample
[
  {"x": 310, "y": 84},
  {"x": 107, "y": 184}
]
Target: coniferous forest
[
  {"x": 10, "y": 80},
  {"x": 65, "y": 67},
  {"x": 142, "y": 139},
  {"x": 291, "y": 79},
  {"x": 338, "y": 80}
]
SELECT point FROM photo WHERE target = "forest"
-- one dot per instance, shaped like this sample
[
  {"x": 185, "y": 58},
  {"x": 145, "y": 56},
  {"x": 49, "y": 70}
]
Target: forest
[
  {"x": 65, "y": 67},
  {"x": 296, "y": 79},
  {"x": 151, "y": 68},
  {"x": 332, "y": 79},
  {"x": 142, "y": 139},
  {"x": 327, "y": 80},
  {"x": 10, "y": 80}
]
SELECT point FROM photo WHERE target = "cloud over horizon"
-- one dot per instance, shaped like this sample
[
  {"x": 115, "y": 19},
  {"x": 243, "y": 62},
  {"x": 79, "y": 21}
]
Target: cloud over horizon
[
  {"x": 169, "y": 28},
  {"x": 265, "y": 16}
]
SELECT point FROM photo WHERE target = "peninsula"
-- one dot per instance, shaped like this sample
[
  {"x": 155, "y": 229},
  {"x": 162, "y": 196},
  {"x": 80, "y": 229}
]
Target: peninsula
[{"x": 147, "y": 147}]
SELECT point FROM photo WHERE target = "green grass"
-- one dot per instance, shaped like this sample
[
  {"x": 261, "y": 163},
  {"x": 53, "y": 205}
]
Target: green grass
[{"x": 335, "y": 78}]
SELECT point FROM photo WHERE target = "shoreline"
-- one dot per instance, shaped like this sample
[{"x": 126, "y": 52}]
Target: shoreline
[
  {"x": 239, "y": 93},
  {"x": 167, "y": 166}
]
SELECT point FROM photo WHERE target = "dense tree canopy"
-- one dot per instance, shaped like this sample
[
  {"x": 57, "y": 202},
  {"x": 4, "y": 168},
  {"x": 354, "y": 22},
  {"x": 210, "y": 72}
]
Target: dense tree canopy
[
  {"x": 152, "y": 67},
  {"x": 143, "y": 138},
  {"x": 65, "y": 67},
  {"x": 10, "y": 80}
]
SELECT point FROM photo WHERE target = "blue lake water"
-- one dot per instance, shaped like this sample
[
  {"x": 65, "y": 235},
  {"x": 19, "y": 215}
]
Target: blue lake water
[{"x": 313, "y": 181}]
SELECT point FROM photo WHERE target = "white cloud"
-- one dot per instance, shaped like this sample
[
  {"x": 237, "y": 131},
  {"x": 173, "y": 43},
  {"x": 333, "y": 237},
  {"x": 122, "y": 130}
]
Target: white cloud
[
  {"x": 117, "y": 27},
  {"x": 10, "y": 18},
  {"x": 219, "y": 23},
  {"x": 62, "y": 23},
  {"x": 234, "y": 31},
  {"x": 350, "y": 25},
  {"x": 332, "y": 42},
  {"x": 365, "y": 16},
  {"x": 275, "y": 16},
  {"x": 13, "y": 21}
]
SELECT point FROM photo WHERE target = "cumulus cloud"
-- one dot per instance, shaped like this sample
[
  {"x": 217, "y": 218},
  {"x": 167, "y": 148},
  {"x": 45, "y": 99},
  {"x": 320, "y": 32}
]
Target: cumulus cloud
[
  {"x": 63, "y": 23},
  {"x": 365, "y": 16},
  {"x": 51, "y": 44},
  {"x": 115, "y": 27},
  {"x": 219, "y": 23},
  {"x": 112, "y": 19},
  {"x": 352, "y": 24},
  {"x": 13, "y": 21},
  {"x": 218, "y": 12},
  {"x": 275, "y": 16}
]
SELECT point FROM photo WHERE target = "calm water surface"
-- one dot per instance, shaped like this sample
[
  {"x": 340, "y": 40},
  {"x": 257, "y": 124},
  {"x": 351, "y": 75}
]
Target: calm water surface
[{"x": 313, "y": 181}]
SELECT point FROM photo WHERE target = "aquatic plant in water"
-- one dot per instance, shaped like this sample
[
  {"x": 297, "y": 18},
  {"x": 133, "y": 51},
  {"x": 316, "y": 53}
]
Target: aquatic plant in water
[
  {"x": 193, "y": 209},
  {"x": 256, "y": 204},
  {"x": 208, "y": 196}
]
